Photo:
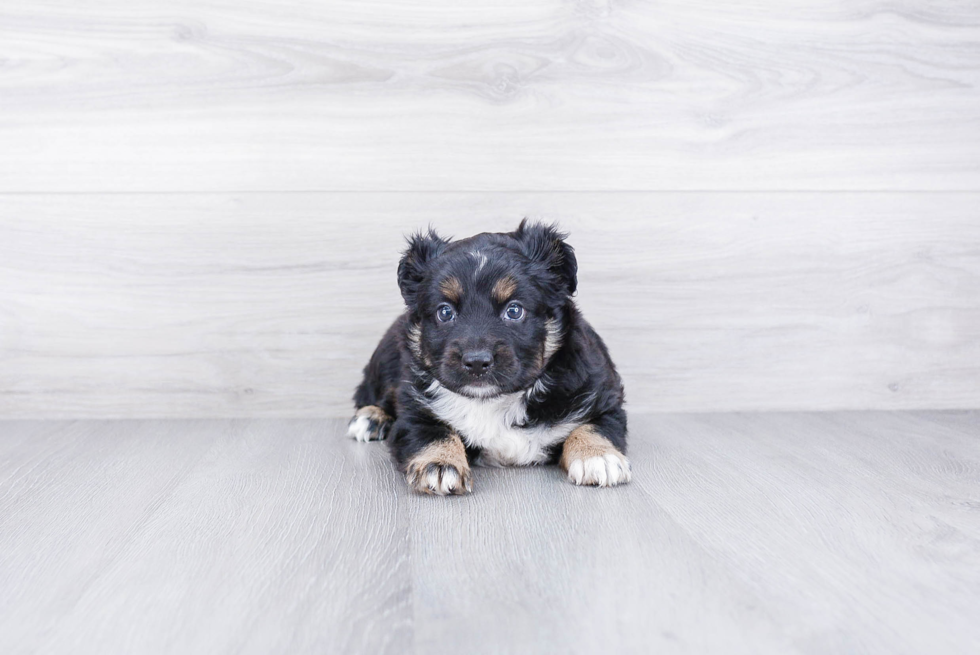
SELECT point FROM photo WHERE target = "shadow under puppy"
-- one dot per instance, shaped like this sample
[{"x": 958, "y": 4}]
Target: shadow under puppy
[{"x": 492, "y": 364}]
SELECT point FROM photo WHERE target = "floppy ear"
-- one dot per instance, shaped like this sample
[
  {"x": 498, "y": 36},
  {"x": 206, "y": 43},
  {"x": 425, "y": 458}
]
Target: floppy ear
[
  {"x": 545, "y": 245},
  {"x": 422, "y": 249}
]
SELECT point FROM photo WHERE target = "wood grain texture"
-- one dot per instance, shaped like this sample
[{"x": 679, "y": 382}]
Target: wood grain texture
[
  {"x": 201, "y": 537},
  {"x": 869, "y": 508},
  {"x": 740, "y": 533},
  {"x": 242, "y": 95},
  {"x": 229, "y": 305}
]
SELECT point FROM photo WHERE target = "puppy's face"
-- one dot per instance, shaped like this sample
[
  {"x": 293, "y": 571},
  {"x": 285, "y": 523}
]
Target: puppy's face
[{"x": 486, "y": 311}]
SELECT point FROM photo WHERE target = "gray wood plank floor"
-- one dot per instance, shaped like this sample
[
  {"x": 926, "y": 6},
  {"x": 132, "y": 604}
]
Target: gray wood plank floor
[{"x": 754, "y": 533}]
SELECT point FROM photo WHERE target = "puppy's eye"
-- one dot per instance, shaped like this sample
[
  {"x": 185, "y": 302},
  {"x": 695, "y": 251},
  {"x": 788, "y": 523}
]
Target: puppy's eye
[
  {"x": 514, "y": 312},
  {"x": 445, "y": 313}
]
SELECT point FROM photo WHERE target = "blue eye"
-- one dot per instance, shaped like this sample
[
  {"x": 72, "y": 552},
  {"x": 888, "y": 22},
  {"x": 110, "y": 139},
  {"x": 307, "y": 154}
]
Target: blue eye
[
  {"x": 514, "y": 312},
  {"x": 445, "y": 313}
]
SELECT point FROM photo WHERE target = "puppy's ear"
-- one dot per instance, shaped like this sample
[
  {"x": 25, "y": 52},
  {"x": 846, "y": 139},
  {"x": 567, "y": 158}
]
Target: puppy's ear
[
  {"x": 422, "y": 249},
  {"x": 545, "y": 245}
]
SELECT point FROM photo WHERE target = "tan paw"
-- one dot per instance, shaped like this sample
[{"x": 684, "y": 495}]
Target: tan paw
[
  {"x": 370, "y": 423},
  {"x": 441, "y": 469},
  {"x": 440, "y": 479},
  {"x": 591, "y": 459}
]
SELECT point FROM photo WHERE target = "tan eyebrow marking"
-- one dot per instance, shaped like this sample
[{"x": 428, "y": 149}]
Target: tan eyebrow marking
[
  {"x": 452, "y": 289},
  {"x": 504, "y": 288}
]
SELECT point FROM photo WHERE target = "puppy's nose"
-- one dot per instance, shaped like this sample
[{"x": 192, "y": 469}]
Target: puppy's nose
[{"x": 478, "y": 361}]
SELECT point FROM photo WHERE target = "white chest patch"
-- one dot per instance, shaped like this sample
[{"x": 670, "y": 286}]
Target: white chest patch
[{"x": 494, "y": 425}]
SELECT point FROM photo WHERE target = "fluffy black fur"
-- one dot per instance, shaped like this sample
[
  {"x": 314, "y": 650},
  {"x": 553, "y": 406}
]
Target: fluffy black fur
[{"x": 550, "y": 354}]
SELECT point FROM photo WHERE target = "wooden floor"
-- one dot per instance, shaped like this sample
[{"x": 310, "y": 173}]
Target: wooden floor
[{"x": 741, "y": 533}]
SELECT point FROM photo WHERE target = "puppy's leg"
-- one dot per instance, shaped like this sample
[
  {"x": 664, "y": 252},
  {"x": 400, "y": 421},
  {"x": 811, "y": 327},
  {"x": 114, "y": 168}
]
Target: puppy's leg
[
  {"x": 374, "y": 397},
  {"x": 370, "y": 423},
  {"x": 433, "y": 458},
  {"x": 589, "y": 456},
  {"x": 440, "y": 468}
]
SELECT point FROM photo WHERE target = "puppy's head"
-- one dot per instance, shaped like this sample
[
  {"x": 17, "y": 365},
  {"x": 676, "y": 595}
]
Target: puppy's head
[{"x": 487, "y": 311}]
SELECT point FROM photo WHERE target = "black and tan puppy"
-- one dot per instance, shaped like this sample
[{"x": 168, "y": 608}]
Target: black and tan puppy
[{"x": 492, "y": 364}]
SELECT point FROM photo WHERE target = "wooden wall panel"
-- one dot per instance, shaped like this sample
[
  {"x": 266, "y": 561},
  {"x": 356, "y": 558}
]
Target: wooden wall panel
[
  {"x": 201, "y": 203},
  {"x": 258, "y": 304},
  {"x": 239, "y": 95}
]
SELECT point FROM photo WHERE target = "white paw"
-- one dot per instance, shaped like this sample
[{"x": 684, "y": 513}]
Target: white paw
[
  {"x": 370, "y": 423},
  {"x": 360, "y": 428},
  {"x": 602, "y": 471}
]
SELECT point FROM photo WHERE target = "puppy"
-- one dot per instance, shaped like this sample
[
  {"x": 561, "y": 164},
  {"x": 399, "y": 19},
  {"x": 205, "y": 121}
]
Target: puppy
[{"x": 492, "y": 364}]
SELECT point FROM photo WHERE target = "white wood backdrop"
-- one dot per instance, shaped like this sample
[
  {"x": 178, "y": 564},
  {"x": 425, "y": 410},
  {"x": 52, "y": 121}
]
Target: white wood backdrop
[{"x": 776, "y": 206}]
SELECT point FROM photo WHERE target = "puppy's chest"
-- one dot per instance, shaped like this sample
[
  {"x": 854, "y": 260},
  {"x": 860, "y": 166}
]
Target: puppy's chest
[{"x": 496, "y": 426}]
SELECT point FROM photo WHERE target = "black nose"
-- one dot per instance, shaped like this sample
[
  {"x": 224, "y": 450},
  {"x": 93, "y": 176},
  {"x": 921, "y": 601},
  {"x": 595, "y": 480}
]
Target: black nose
[{"x": 478, "y": 361}]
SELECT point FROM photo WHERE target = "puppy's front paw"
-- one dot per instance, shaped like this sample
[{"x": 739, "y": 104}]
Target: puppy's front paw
[
  {"x": 591, "y": 459},
  {"x": 606, "y": 471},
  {"x": 370, "y": 423},
  {"x": 440, "y": 479},
  {"x": 440, "y": 468}
]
